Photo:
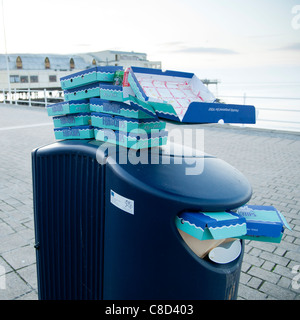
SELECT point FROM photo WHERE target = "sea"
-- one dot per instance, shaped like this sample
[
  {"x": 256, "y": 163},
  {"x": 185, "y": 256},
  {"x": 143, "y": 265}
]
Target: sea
[{"x": 277, "y": 104}]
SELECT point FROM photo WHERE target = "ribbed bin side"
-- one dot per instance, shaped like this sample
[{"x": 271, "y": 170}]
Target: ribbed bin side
[{"x": 68, "y": 196}]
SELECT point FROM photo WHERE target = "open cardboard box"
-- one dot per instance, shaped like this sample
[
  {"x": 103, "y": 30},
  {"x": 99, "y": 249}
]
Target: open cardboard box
[
  {"x": 182, "y": 97},
  {"x": 204, "y": 231}
]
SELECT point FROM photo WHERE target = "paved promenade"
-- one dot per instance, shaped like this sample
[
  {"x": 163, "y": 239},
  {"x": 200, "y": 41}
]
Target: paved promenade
[{"x": 269, "y": 159}]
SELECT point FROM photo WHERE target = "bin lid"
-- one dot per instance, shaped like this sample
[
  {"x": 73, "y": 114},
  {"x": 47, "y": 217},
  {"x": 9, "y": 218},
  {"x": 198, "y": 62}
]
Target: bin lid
[
  {"x": 211, "y": 184},
  {"x": 203, "y": 181}
]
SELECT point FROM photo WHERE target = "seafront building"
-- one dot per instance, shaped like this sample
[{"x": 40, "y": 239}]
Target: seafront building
[{"x": 43, "y": 71}]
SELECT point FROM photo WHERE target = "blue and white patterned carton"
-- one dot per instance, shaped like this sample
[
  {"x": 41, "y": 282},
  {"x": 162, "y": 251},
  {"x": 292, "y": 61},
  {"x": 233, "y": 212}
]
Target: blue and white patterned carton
[
  {"x": 109, "y": 121},
  {"x": 83, "y": 92},
  {"x": 132, "y": 139},
  {"x": 264, "y": 223},
  {"x": 67, "y": 107},
  {"x": 79, "y": 132},
  {"x": 133, "y": 108},
  {"x": 71, "y": 120},
  {"x": 89, "y": 76},
  {"x": 211, "y": 225},
  {"x": 112, "y": 92}
]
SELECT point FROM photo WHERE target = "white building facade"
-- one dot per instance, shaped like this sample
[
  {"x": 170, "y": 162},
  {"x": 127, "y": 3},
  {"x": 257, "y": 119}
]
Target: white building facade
[{"x": 43, "y": 71}]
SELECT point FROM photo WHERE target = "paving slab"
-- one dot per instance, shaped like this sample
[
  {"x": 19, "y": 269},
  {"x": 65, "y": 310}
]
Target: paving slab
[{"x": 269, "y": 159}]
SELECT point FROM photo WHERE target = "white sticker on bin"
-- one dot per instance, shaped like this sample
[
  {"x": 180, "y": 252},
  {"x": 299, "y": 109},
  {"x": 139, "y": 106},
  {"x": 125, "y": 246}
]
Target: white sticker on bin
[{"x": 121, "y": 202}]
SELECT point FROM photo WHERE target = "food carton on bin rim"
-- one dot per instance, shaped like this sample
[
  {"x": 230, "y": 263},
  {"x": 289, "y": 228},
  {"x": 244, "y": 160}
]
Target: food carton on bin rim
[
  {"x": 133, "y": 139},
  {"x": 264, "y": 223},
  {"x": 78, "y": 132},
  {"x": 211, "y": 225}
]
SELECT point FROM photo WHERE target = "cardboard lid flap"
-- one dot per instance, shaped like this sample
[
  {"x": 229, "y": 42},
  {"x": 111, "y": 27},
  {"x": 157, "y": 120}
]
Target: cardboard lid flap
[
  {"x": 220, "y": 225},
  {"x": 284, "y": 221},
  {"x": 226, "y": 225}
]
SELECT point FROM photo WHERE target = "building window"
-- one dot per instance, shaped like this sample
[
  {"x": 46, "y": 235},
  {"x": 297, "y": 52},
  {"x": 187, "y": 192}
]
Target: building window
[
  {"x": 19, "y": 63},
  {"x": 24, "y": 79},
  {"x": 14, "y": 79},
  {"x": 52, "y": 78},
  {"x": 94, "y": 63},
  {"x": 116, "y": 57},
  {"x": 34, "y": 79},
  {"x": 47, "y": 63},
  {"x": 72, "y": 64}
]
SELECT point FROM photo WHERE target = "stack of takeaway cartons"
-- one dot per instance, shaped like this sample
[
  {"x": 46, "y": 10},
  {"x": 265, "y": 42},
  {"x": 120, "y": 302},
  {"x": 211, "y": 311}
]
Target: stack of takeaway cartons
[
  {"x": 71, "y": 119},
  {"x": 97, "y": 105}
]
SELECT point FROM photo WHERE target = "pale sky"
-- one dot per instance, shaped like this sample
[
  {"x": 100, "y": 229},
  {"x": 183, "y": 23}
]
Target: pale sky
[{"x": 230, "y": 40}]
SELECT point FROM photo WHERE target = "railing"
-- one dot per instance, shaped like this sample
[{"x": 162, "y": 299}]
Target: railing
[
  {"x": 30, "y": 97},
  {"x": 277, "y": 117}
]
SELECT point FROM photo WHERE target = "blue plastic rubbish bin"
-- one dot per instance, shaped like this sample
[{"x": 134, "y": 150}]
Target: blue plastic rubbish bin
[{"x": 106, "y": 230}]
